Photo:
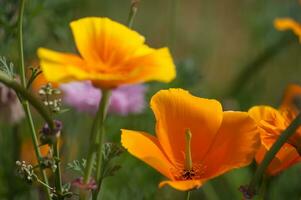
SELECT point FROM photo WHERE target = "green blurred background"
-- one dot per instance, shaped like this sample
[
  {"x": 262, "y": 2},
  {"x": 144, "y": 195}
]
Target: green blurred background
[{"x": 228, "y": 50}]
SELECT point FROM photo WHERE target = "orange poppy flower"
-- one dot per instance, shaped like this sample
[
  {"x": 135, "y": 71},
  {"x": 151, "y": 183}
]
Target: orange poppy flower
[
  {"x": 110, "y": 55},
  {"x": 196, "y": 141},
  {"x": 40, "y": 81},
  {"x": 27, "y": 153},
  {"x": 272, "y": 123},
  {"x": 283, "y": 24}
]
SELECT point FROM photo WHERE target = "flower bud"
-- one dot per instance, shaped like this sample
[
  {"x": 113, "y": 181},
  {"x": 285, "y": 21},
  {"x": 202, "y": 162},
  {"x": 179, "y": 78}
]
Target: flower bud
[{"x": 48, "y": 136}]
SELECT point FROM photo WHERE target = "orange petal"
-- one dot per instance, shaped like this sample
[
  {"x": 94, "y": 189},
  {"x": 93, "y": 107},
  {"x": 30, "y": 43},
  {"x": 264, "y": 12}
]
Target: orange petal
[
  {"x": 146, "y": 148},
  {"x": 283, "y": 24},
  {"x": 235, "y": 144},
  {"x": 183, "y": 185},
  {"x": 157, "y": 65},
  {"x": 290, "y": 93},
  {"x": 288, "y": 107},
  {"x": 176, "y": 110},
  {"x": 61, "y": 67},
  {"x": 101, "y": 40},
  {"x": 28, "y": 152},
  {"x": 270, "y": 122},
  {"x": 285, "y": 158},
  {"x": 39, "y": 81}
]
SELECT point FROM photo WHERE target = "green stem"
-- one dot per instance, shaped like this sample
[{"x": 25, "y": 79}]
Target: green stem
[
  {"x": 44, "y": 184},
  {"x": 36, "y": 147},
  {"x": 29, "y": 98},
  {"x": 20, "y": 42},
  {"x": 251, "y": 69},
  {"x": 133, "y": 12},
  {"x": 100, "y": 138},
  {"x": 58, "y": 175},
  {"x": 285, "y": 135},
  {"x": 188, "y": 195},
  {"x": 25, "y": 103},
  {"x": 97, "y": 134}
]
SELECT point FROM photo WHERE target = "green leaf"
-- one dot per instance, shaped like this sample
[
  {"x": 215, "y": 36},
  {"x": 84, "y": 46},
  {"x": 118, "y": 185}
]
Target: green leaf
[{"x": 110, "y": 151}]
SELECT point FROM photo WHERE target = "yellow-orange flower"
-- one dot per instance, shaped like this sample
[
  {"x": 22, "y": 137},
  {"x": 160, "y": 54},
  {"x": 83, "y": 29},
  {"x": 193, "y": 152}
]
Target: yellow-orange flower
[
  {"x": 27, "y": 153},
  {"x": 272, "y": 123},
  {"x": 219, "y": 141},
  {"x": 110, "y": 55},
  {"x": 283, "y": 24},
  {"x": 40, "y": 81}
]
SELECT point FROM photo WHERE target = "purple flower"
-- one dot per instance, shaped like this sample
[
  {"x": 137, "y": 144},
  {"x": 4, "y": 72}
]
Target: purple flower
[
  {"x": 85, "y": 98},
  {"x": 11, "y": 110}
]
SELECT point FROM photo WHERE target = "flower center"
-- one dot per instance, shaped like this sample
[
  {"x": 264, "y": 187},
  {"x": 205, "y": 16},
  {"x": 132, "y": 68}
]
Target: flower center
[
  {"x": 195, "y": 173},
  {"x": 188, "y": 174},
  {"x": 188, "y": 170}
]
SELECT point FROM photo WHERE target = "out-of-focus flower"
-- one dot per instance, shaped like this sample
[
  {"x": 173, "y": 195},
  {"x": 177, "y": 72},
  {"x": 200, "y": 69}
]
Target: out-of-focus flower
[
  {"x": 196, "y": 141},
  {"x": 48, "y": 136},
  {"x": 283, "y": 24},
  {"x": 272, "y": 123},
  {"x": 11, "y": 110},
  {"x": 28, "y": 153},
  {"x": 79, "y": 183},
  {"x": 40, "y": 81},
  {"x": 110, "y": 55},
  {"x": 85, "y": 98}
]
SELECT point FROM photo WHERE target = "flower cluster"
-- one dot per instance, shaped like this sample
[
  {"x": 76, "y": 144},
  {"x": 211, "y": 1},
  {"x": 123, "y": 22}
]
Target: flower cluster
[{"x": 272, "y": 122}]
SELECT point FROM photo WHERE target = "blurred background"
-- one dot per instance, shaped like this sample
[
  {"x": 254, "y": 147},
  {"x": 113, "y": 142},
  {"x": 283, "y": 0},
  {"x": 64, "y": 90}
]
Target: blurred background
[{"x": 228, "y": 50}]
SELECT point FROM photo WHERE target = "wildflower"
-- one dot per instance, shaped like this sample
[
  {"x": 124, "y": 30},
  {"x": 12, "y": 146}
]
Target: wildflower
[
  {"x": 110, "y": 55},
  {"x": 79, "y": 183},
  {"x": 196, "y": 141},
  {"x": 11, "y": 110},
  {"x": 41, "y": 81},
  {"x": 84, "y": 97},
  {"x": 28, "y": 153},
  {"x": 272, "y": 123},
  {"x": 283, "y": 24},
  {"x": 48, "y": 136},
  {"x": 26, "y": 172}
]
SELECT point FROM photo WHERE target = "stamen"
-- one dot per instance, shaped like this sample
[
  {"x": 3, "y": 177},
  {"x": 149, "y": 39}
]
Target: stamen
[{"x": 188, "y": 159}]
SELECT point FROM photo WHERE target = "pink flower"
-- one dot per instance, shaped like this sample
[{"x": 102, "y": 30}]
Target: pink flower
[
  {"x": 11, "y": 110},
  {"x": 85, "y": 98},
  {"x": 79, "y": 183}
]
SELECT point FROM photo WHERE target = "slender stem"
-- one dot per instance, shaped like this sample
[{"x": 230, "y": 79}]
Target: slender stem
[
  {"x": 28, "y": 96},
  {"x": 272, "y": 152},
  {"x": 188, "y": 195},
  {"x": 58, "y": 176},
  {"x": 251, "y": 69},
  {"x": 100, "y": 138},
  {"x": 25, "y": 103},
  {"x": 133, "y": 12},
  {"x": 96, "y": 140},
  {"x": 36, "y": 148},
  {"x": 46, "y": 185},
  {"x": 20, "y": 42}
]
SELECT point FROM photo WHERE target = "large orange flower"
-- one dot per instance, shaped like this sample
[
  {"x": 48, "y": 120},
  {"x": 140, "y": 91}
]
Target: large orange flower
[
  {"x": 196, "y": 140},
  {"x": 272, "y": 123},
  {"x": 110, "y": 55},
  {"x": 283, "y": 24}
]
